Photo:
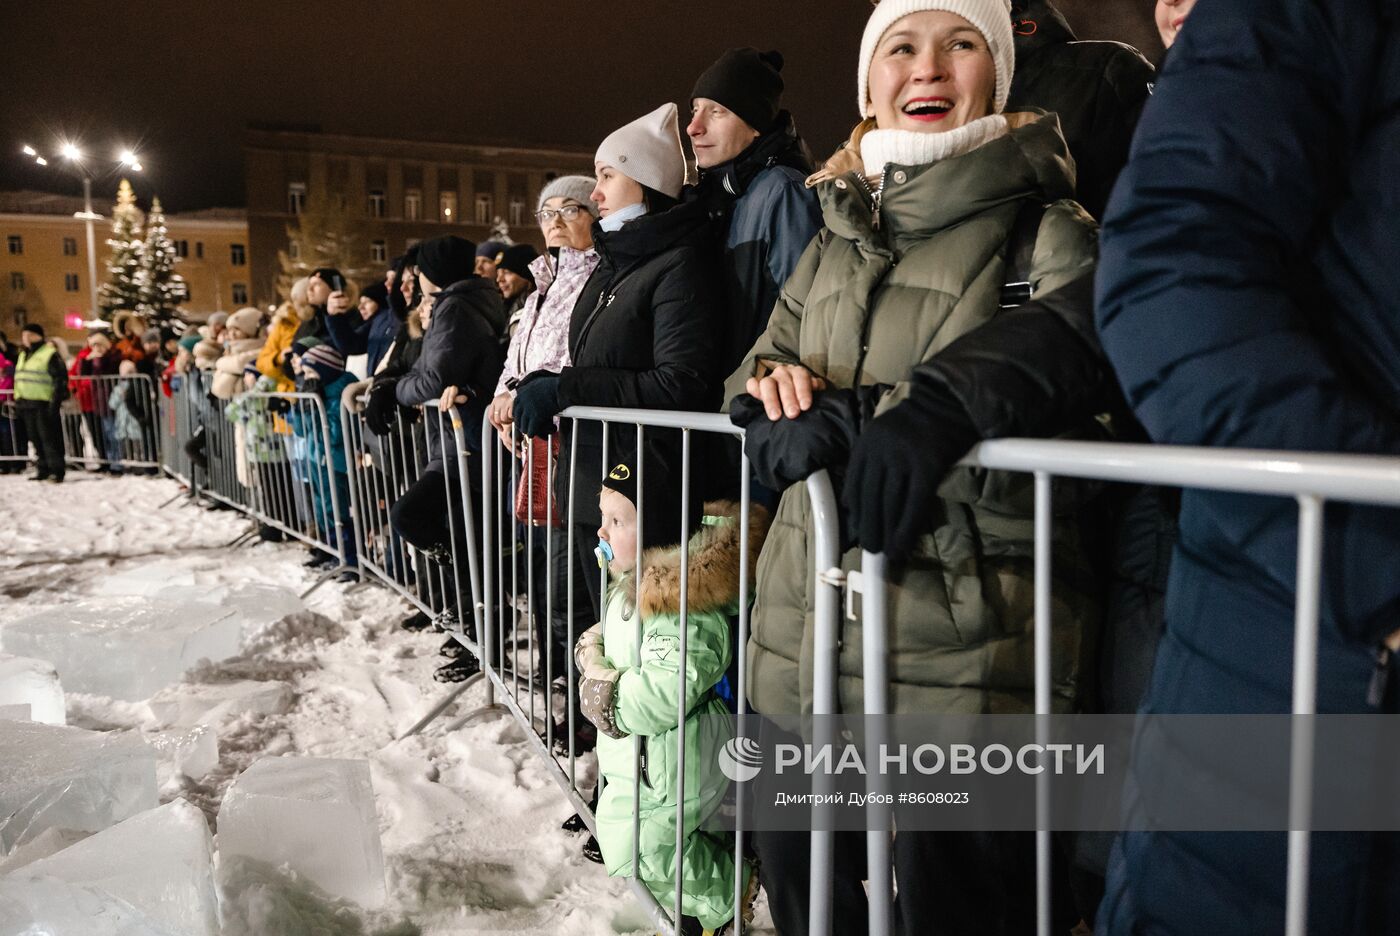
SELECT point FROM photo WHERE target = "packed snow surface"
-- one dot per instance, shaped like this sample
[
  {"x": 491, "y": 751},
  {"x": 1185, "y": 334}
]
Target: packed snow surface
[{"x": 468, "y": 820}]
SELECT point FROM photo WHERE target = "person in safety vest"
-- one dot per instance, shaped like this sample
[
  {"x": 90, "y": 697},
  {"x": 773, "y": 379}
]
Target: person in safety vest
[{"x": 41, "y": 385}]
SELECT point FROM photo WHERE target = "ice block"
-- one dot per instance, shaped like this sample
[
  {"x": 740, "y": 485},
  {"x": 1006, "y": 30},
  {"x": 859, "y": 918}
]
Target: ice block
[
  {"x": 27, "y": 681},
  {"x": 126, "y": 648},
  {"x": 314, "y": 815},
  {"x": 68, "y": 778},
  {"x": 151, "y": 875}
]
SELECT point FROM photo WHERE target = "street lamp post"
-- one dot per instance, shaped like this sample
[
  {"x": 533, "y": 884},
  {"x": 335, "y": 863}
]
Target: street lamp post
[
  {"x": 74, "y": 157},
  {"x": 89, "y": 216}
]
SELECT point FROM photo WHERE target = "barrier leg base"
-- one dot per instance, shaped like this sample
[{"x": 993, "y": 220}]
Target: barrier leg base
[
  {"x": 442, "y": 705},
  {"x": 243, "y": 538},
  {"x": 474, "y": 714},
  {"x": 324, "y": 578}
]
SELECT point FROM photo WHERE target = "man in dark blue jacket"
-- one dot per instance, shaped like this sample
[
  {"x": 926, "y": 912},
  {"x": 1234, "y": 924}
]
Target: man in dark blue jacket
[{"x": 1247, "y": 296}]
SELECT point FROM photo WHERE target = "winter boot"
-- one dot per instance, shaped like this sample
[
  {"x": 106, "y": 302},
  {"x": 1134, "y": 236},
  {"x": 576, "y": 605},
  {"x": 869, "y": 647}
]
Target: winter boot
[
  {"x": 445, "y": 620},
  {"x": 419, "y": 621},
  {"x": 459, "y": 670},
  {"x": 451, "y": 649},
  {"x": 574, "y": 825},
  {"x": 592, "y": 850}
]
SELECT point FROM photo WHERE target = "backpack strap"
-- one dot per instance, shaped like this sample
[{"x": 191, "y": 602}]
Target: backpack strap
[{"x": 1017, "y": 289}]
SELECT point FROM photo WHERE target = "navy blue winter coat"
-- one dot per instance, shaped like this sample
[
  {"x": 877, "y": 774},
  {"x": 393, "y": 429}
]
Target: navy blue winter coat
[
  {"x": 352, "y": 335},
  {"x": 1249, "y": 297}
]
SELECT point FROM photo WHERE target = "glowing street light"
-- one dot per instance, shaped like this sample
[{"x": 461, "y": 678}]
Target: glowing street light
[{"x": 70, "y": 151}]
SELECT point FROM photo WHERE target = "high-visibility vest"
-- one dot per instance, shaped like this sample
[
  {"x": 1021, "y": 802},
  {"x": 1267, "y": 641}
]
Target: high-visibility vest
[{"x": 32, "y": 378}]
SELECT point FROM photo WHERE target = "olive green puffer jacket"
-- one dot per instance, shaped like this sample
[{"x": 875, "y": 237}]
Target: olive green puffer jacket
[{"x": 867, "y": 303}]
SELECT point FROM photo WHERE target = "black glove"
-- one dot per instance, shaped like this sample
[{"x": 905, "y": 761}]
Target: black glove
[
  {"x": 897, "y": 464},
  {"x": 537, "y": 403},
  {"x": 786, "y": 451},
  {"x": 381, "y": 407},
  {"x": 278, "y": 404}
]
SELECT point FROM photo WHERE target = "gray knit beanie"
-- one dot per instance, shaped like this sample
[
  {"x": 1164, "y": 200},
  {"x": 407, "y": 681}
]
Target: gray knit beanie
[{"x": 577, "y": 187}]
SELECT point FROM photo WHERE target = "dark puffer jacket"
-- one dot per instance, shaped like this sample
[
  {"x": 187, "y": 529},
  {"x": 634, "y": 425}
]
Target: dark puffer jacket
[
  {"x": 645, "y": 333},
  {"x": 769, "y": 216},
  {"x": 1097, "y": 88},
  {"x": 1247, "y": 298},
  {"x": 459, "y": 349}
]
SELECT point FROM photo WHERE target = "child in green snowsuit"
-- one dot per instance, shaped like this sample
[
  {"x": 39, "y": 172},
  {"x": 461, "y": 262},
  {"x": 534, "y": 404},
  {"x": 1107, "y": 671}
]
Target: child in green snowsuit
[{"x": 629, "y": 689}]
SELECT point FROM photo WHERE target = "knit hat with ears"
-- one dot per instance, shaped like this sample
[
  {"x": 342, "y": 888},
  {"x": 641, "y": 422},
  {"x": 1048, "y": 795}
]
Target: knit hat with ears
[
  {"x": 992, "y": 18},
  {"x": 648, "y": 151}
]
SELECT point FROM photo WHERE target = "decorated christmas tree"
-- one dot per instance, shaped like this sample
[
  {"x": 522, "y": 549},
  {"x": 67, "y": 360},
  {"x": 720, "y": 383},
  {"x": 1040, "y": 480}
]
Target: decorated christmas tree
[
  {"x": 326, "y": 234},
  {"x": 160, "y": 289},
  {"x": 121, "y": 291}
]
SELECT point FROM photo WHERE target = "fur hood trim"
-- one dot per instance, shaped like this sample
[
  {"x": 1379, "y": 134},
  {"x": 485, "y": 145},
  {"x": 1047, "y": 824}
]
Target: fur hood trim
[{"x": 714, "y": 564}]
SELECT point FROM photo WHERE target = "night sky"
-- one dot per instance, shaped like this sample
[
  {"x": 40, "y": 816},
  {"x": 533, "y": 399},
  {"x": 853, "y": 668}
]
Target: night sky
[{"x": 179, "y": 81}]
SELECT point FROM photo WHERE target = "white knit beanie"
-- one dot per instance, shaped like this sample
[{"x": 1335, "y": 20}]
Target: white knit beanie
[
  {"x": 991, "y": 17},
  {"x": 648, "y": 151},
  {"x": 576, "y": 187}
]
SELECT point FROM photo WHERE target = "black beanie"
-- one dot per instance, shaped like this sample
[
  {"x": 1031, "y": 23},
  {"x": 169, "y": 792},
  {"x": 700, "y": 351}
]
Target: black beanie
[
  {"x": 661, "y": 506},
  {"x": 377, "y": 292},
  {"x": 517, "y": 259},
  {"x": 330, "y": 276},
  {"x": 748, "y": 82},
  {"x": 34, "y": 328},
  {"x": 446, "y": 260}
]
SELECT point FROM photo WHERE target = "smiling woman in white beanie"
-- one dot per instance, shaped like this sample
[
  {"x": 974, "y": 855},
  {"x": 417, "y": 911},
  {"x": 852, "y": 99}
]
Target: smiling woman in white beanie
[{"x": 902, "y": 306}]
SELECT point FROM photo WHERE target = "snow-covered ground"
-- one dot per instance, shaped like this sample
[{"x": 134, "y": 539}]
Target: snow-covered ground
[{"x": 469, "y": 820}]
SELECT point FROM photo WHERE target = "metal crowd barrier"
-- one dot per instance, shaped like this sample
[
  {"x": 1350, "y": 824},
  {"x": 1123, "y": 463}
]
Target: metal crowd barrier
[
  {"x": 271, "y": 456},
  {"x": 382, "y": 469},
  {"x": 175, "y": 427},
  {"x": 505, "y": 614},
  {"x": 108, "y": 422},
  {"x": 1310, "y": 479}
]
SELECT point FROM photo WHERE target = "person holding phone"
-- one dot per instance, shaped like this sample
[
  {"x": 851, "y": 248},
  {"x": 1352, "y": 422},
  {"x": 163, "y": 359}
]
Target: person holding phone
[{"x": 325, "y": 288}]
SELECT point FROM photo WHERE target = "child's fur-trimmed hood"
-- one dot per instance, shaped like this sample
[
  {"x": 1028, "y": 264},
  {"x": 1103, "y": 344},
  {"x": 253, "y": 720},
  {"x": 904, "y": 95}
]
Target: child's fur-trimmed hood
[{"x": 714, "y": 564}]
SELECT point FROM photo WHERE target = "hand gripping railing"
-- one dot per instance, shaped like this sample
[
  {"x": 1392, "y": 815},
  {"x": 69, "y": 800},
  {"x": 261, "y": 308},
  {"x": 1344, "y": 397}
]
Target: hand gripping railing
[{"x": 1310, "y": 479}]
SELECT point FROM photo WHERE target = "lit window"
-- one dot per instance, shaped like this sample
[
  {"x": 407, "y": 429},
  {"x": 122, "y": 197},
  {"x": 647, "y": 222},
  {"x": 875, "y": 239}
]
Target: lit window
[
  {"x": 412, "y": 205},
  {"x": 376, "y": 203},
  {"x": 378, "y": 251},
  {"x": 483, "y": 208},
  {"x": 517, "y": 212},
  {"x": 447, "y": 207}
]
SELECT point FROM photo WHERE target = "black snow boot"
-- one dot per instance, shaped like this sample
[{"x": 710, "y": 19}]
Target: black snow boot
[
  {"x": 419, "y": 621},
  {"x": 459, "y": 670}
]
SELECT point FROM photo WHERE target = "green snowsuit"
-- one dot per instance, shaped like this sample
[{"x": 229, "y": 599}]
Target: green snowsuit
[{"x": 645, "y": 706}]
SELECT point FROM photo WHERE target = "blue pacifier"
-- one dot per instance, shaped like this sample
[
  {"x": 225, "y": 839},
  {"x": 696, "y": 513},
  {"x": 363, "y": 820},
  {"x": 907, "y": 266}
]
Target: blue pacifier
[{"x": 604, "y": 553}]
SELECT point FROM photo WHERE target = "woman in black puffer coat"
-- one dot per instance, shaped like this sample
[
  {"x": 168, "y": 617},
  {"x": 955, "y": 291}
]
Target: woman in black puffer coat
[{"x": 647, "y": 329}]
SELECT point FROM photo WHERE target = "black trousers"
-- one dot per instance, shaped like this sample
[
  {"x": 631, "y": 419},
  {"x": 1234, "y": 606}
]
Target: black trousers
[
  {"x": 45, "y": 429},
  {"x": 428, "y": 518}
]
